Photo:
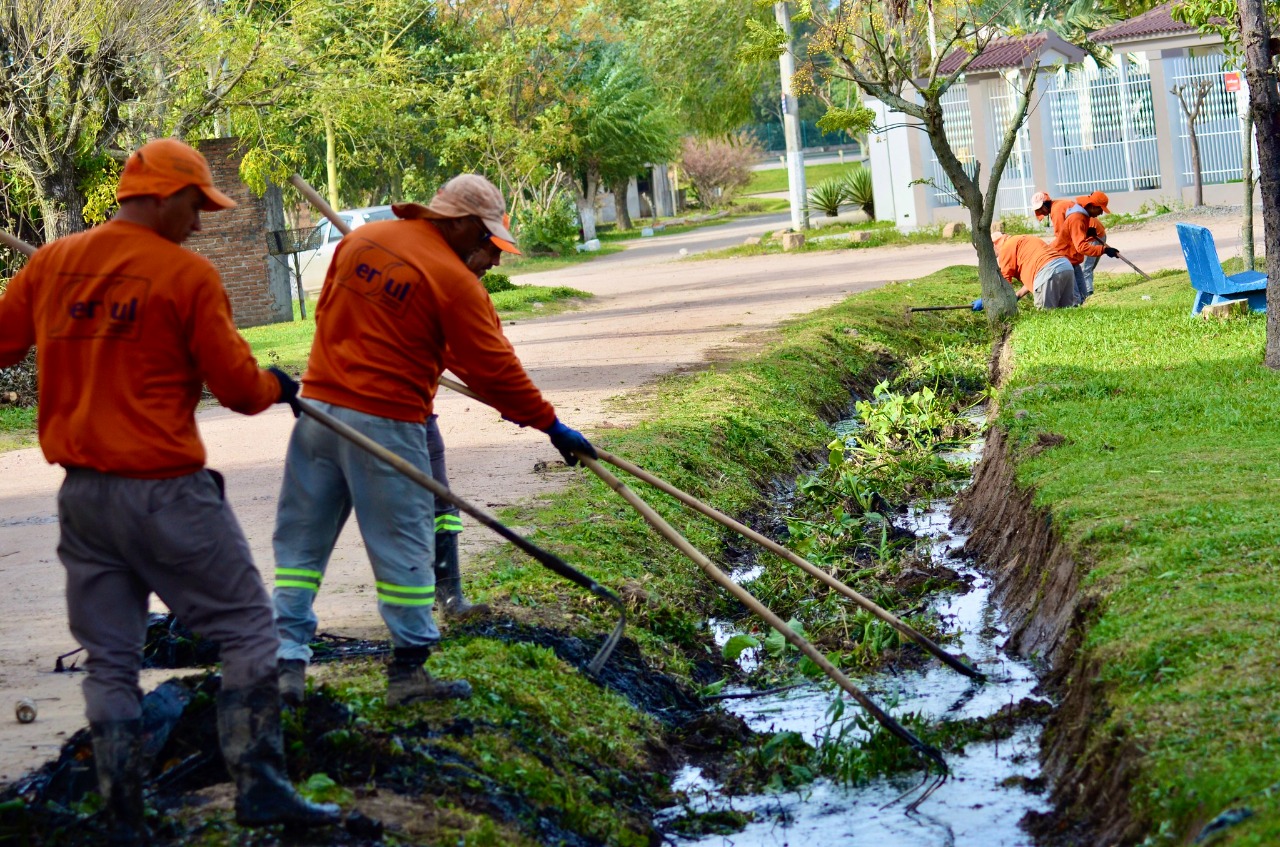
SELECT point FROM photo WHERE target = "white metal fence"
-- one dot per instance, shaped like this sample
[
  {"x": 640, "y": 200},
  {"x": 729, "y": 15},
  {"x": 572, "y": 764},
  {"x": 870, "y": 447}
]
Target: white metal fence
[
  {"x": 957, "y": 119},
  {"x": 1103, "y": 129},
  {"x": 1017, "y": 183},
  {"x": 1217, "y": 128}
]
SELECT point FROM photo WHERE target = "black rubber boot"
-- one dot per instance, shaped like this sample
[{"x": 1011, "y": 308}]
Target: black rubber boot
[
  {"x": 409, "y": 682},
  {"x": 117, "y": 754},
  {"x": 292, "y": 674},
  {"x": 449, "y": 598},
  {"x": 249, "y": 731}
]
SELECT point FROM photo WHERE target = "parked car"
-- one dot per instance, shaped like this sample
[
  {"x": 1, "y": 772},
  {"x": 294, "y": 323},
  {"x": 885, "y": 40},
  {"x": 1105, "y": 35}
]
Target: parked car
[{"x": 315, "y": 263}]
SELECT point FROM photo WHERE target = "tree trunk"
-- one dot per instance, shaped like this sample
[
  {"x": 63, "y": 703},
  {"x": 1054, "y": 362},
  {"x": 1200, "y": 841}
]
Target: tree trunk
[
  {"x": 331, "y": 160},
  {"x": 998, "y": 298},
  {"x": 61, "y": 202},
  {"x": 1195, "y": 166},
  {"x": 619, "y": 189},
  {"x": 1264, "y": 101},
  {"x": 586, "y": 202},
  {"x": 1246, "y": 173}
]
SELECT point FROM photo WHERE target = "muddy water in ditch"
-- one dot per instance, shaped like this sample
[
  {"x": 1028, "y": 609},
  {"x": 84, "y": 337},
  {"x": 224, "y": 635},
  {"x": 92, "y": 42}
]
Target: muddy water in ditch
[{"x": 988, "y": 790}]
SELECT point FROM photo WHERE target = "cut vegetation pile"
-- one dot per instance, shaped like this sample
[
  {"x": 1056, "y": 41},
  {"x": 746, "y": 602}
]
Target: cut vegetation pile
[{"x": 1151, "y": 441}]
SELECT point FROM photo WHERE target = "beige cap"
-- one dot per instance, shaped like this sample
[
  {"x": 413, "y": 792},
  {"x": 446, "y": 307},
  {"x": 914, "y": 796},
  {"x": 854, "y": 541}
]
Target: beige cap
[{"x": 464, "y": 195}]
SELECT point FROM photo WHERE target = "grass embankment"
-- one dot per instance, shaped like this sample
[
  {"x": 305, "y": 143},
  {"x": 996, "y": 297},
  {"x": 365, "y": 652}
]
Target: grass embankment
[
  {"x": 775, "y": 179},
  {"x": 1166, "y": 483},
  {"x": 574, "y": 752}
]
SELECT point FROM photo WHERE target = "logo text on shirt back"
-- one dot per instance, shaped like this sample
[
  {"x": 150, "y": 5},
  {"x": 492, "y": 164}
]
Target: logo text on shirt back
[
  {"x": 376, "y": 274},
  {"x": 99, "y": 306}
]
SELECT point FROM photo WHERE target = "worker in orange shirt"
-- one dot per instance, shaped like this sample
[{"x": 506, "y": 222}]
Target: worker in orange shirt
[
  {"x": 1072, "y": 220},
  {"x": 402, "y": 301},
  {"x": 1042, "y": 271},
  {"x": 129, "y": 326}
]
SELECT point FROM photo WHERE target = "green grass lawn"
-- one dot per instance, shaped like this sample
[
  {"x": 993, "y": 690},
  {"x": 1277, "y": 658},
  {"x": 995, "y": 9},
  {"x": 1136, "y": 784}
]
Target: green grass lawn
[
  {"x": 289, "y": 344},
  {"x": 1167, "y": 485},
  {"x": 17, "y": 427},
  {"x": 775, "y": 179}
]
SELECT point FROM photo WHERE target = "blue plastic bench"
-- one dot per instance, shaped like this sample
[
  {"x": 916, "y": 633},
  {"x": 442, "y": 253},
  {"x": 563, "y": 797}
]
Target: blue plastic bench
[{"x": 1212, "y": 285}]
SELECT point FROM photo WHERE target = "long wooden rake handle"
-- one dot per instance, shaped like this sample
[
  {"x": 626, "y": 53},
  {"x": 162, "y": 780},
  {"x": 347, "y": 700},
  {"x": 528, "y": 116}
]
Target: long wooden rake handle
[
  {"x": 797, "y": 560},
  {"x": 763, "y": 612},
  {"x": 770, "y": 545},
  {"x": 16, "y": 244},
  {"x": 548, "y": 560}
]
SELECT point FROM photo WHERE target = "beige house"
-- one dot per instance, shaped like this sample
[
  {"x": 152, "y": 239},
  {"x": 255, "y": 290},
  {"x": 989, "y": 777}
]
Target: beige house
[{"x": 1116, "y": 127}]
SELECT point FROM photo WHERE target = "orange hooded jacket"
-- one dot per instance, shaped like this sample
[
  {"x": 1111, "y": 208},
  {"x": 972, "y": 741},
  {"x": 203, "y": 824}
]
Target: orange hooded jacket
[{"x": 127, "y": 326}]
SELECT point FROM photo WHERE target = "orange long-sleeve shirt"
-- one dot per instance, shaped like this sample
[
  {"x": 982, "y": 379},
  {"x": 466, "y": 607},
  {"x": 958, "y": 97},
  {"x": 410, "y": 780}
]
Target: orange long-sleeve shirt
[
  {"x": 1070, "y": 232},
  {"x": 127, "y": 325},
  {"x": 398, "y": 306},
  {"x": 1022, "y": 256}
]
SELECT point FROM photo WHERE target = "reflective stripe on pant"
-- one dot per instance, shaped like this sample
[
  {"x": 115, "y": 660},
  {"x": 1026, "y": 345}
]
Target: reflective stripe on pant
[
  {"x": 325, "y": 479},
  {"x": 124, "y": 538},
  {"x": 447, "y": 519}
]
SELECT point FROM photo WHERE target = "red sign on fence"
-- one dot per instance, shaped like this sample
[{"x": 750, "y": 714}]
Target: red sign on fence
[{"x": 1232, "y": 80}]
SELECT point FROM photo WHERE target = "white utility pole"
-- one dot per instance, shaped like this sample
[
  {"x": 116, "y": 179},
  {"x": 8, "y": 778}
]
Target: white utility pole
[{"x": 791, "y": 126}]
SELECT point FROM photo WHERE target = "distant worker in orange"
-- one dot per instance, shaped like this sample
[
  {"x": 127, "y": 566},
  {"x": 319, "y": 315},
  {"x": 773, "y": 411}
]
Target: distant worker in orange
[
  {"x": 1044, "y": 274},
  {"x": 129, "y": 326},
  {"x": 401, "y": 302},
  {"x": 1072, "y": 220}
]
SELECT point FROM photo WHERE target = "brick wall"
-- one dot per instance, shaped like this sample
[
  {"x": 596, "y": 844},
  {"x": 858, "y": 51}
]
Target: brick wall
[{"x": 235, "y": 241}]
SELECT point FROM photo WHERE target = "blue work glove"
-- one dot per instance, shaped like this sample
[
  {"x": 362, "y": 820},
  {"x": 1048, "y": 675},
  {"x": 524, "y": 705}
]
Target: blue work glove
[
  {"x": 289, "y": 388},
  {"x": 977, "y": 305},
  {"x": 569, "y": 441}
]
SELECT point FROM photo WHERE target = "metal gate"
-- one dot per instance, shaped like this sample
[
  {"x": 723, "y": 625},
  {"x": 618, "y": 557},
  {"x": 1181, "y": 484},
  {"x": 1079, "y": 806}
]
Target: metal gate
[
  {"x": 1016, "y": 183},
  {"x": 957, "y": 120},
  {"x": 1103, "y": 128}
]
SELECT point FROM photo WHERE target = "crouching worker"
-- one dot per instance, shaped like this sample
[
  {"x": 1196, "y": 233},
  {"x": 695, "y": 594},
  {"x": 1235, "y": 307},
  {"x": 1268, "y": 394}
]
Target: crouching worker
[
  {"x": 402, "y": 300},
  {"x": 129, "y": 325},
  {"x": 1043, "y": 272}
]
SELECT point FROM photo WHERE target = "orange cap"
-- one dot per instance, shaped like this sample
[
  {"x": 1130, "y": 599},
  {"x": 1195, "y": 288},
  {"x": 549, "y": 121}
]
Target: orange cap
[
  {"x": 463, "y": 196},
  {"x": 164, "y": 167},
  {"x": 1097, "y": 198}
]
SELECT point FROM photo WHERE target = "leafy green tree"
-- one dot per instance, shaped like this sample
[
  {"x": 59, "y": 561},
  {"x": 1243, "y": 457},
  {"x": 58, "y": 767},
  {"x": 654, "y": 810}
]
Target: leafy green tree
[
  {"x": 618, "y": 123},
  {"x": 1072, "y": 19},
  {"x": 81, "y": 80}
]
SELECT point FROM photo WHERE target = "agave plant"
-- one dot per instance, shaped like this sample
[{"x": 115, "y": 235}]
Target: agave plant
[
  {"x": 857, "y": 188},
  {"x": 827, "y": 196}
]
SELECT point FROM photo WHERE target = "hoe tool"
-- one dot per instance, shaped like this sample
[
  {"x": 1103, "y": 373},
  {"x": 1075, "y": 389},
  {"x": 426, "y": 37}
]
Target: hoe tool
[{"x": 1137, "y": 269}]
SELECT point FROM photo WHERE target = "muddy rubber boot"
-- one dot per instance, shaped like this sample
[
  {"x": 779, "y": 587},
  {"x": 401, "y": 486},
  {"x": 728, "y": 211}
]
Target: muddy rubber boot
[
  {"x": 292, "y": 674},
  {"x": 409, "y": 682},
  {"x": 450, "y": 600},
  {"x": 117, "y": 755},
  {"x": 249, "y": 731}
]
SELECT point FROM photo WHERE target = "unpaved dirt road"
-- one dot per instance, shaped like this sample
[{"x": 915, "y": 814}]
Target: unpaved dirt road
[{"x": 650, "y": 316}]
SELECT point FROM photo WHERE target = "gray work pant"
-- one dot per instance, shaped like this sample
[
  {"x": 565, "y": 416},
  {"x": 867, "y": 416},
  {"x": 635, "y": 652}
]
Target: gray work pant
[
  {"x": 325, "y": 479},
  {"x": 123, "y": 538},
  {"x": 447, "y": 520}
]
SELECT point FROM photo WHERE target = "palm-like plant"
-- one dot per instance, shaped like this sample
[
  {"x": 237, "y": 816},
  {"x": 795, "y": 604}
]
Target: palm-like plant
[
  {"x": 827, "y": 196},
  {"x": 1072, "y": 19},
  {"x": 858, "y": 190}
]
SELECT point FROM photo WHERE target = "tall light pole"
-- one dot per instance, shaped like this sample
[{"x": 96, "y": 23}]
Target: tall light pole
[{"x": 791, "y": 126}]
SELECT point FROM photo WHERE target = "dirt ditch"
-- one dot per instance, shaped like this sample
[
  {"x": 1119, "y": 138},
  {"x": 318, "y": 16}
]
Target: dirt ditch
[{"x": 1037, "y": 584}]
